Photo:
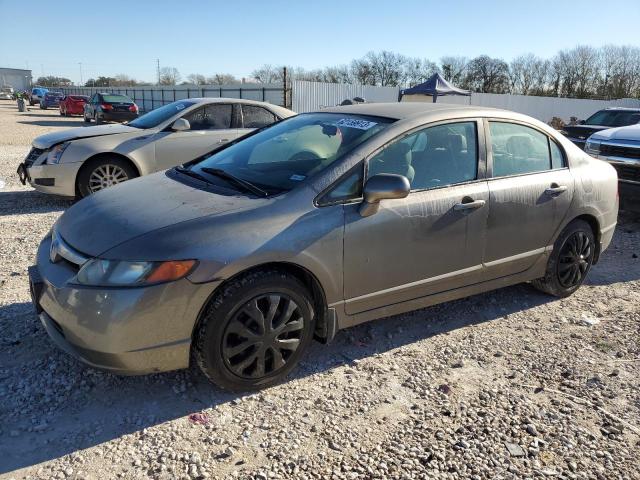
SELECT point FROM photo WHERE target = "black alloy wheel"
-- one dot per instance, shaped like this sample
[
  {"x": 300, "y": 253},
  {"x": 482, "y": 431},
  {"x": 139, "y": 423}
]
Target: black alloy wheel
[
  {"x": 254, "y": 330},
  {"x": 575, "y": 259},
  {"x": 262, "y": 336}
]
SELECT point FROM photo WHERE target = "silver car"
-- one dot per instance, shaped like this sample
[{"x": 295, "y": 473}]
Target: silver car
[
  {"x": 318, "y": 223},
  {"x": 81, "y": 161}
]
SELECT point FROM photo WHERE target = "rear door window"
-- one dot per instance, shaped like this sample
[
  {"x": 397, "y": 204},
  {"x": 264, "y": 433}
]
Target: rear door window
[
  {"x": 256, "y": 117},
  {"x": 518, "y": 149}
]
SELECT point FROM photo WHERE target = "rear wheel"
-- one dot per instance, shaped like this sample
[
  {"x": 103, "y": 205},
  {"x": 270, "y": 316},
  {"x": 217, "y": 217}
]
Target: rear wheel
[
  {"x": 103, "y": 172},
  {"x": 570, "y": 261},
  {"x": 254, "y": 331}
]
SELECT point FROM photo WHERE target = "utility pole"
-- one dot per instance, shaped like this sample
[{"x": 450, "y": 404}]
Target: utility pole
[
  {"x": 158, "y": 69},
  {"x": 284, "y": 86},
  {"x": 80, "y": 63}
]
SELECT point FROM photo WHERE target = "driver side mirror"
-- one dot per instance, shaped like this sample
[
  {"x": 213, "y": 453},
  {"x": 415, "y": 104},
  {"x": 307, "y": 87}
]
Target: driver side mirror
[
  {"x": 181, "y": 125},
  {"x": 384, "y": 186}
]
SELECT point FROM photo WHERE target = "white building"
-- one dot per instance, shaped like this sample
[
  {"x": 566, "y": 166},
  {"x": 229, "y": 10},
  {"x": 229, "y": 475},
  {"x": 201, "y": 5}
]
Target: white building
[{"x": 16, "y": 78}]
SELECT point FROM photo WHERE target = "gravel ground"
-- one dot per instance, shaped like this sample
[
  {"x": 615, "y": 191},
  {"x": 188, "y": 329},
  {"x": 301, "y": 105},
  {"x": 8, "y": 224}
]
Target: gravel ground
[{"x": 508, "y": 384}]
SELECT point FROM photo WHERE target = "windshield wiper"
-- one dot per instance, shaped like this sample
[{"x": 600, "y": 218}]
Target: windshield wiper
[
  {"x": 191, "y": 173},
  {"x": 238, "y": 181}
]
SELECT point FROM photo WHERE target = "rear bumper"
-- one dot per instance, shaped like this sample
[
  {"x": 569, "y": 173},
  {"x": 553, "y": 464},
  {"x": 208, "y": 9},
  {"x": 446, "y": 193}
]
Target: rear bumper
[
  {"x": 123, "y": 330},
  {"x": 118, "y": 116}
]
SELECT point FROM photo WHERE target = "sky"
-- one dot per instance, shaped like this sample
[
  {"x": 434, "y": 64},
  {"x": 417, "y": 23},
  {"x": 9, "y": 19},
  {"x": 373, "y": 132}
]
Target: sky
[{"x": 238, "y": 36}]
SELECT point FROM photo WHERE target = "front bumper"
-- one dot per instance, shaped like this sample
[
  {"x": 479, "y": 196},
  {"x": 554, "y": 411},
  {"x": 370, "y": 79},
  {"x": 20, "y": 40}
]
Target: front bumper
[
  {"x": 58, "y": 179},
  {"x": 628, "y": 180},
  {"x": 123, "y": 330}
]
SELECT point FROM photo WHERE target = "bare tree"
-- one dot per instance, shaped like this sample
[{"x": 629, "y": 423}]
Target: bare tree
[
  {"x": 123, "y": 80},
  {"x": 222, "y": 79},
  {"x": 196, "y": 79},
  {"x": 268, "y": 74},
  {"x": 454, "y": 69},
  {"x": 169, "y": 76},
  {"x": 487, "y": 75},
  {"x": 417, "y": 71}
]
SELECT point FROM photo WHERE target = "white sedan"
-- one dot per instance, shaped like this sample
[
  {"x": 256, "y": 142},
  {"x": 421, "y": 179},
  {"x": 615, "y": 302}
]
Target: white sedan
[{"x": 80, "y": 161}]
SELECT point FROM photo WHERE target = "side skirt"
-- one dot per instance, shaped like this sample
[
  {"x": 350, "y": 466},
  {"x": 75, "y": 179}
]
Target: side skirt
[{"x": 537, "y": 270}]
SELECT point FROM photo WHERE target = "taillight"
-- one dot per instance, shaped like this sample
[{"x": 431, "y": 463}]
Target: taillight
[
  {"x": 106, "y": 106},
  {"x": 133, "y": 108}
]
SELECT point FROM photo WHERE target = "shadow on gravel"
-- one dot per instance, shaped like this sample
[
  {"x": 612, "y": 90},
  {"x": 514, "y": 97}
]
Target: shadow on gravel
[
  {"x": 97, "y": 407},
  {"x": 30, "y": 201},
  {"x": 624, "y": 266},
  {"x": 54, "y": 123}
]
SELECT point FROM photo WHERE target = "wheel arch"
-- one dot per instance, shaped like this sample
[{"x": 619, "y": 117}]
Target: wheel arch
[
  {"x": 100, "y": 155},
  {"x": 595, "y": 228},
  {"x": 304, "y": 275}
]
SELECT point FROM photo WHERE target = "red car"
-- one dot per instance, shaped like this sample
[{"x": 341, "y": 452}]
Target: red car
[{"x": 73, "y": 105}]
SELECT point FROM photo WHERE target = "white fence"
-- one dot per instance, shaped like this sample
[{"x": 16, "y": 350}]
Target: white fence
[
  {"x": 150, "y": 97},
  {"x": 542, "y": 108},
  {"x": 309, "y": 96}
]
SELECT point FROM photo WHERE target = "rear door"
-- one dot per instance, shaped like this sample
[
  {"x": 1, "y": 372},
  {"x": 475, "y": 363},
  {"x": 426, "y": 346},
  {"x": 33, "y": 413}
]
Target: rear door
[
  {"x": 530, "y": 190},
  {"x": 211, "y": 126}
]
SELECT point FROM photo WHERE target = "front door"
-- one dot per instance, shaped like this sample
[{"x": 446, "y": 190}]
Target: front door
[
  {"x": 432, "y": 240},
  {"x": 211, "y": 127},
  {"x": 530, "y": 193}
]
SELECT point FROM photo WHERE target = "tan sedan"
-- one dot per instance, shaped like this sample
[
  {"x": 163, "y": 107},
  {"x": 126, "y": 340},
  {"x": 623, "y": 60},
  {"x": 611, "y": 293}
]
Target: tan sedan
[{"x": 84, "y": 160}]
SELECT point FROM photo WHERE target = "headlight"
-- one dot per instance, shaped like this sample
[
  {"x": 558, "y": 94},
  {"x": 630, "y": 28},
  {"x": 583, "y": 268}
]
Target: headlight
[
  {"x": 53, "y": 157},
  {"x": 592, "y": 146},
  {"x": 109, "y": 273}
]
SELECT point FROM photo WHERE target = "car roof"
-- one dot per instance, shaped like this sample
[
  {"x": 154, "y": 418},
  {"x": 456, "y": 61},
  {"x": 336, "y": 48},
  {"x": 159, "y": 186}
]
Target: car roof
[
  {"x": 208, "y": 100},
  {"x": 402, "y": 110}
]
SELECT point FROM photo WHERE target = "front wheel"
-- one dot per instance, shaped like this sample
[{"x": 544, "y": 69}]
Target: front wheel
[
  {"x": 103, "y": 172},
  {"x": 254, "y": 331},
  {"x": 570, "y": 261}
]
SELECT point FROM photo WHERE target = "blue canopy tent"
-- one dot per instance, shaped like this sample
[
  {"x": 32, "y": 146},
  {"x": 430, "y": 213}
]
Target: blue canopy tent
[{"x": 436, "y": 87}]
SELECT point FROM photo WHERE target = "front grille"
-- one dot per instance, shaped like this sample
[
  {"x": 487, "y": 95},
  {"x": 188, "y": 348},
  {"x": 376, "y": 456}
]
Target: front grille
[
  {"x": 619, "y": 151},
  {"x": 626, "y": 172},
  {"x": 33, "y": 155}
]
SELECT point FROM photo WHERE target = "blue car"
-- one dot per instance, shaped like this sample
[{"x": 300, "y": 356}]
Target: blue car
[
  {"x": 36, "y": 95},
  {"x": 51, "y": 99}
]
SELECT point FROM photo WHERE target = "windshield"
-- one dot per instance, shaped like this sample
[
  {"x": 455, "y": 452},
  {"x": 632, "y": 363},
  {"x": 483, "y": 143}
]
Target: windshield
[
  {"x": 159, "y": 115},
  {"x": 282, "y": 156},
  {"x": 613, "y": 118},
  {"x": 116, "y": 99}
]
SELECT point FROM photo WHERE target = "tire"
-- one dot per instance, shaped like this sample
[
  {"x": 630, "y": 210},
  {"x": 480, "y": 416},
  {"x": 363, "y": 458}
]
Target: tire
[
  {"x": 570, "y": 261},
  {"x": 86, "y": 179},
  {"x": 31, "y": 104},
  {"x": 225, "y": 319},
  {"x": 62, "y": 114},
  {"x": 85, "y": 118}
]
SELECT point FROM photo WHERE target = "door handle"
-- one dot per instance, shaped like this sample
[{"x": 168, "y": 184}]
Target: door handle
[
  {"x": 555, "y": 189},
  {"x": 472, "y": 205}
]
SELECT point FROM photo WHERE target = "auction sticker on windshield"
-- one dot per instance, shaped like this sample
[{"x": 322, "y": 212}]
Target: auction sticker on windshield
[{"x": 355, "y": 123}]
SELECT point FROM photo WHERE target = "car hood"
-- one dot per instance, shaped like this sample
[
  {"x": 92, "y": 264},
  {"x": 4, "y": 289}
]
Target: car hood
[
  {"x": 582, "y": 132},
  {"x": 50, "y": 139},
  {"x": 631, "y": 133},
  {"x": 118, "y": 214}
]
